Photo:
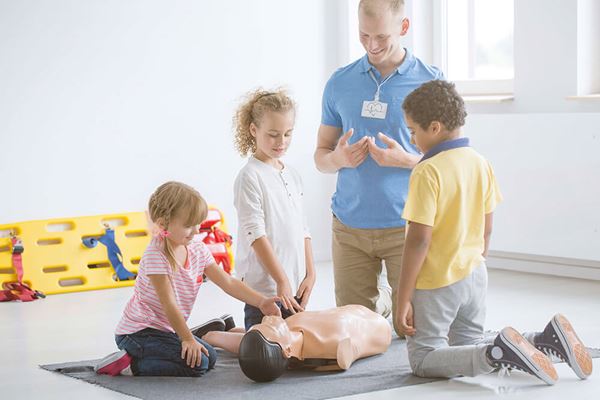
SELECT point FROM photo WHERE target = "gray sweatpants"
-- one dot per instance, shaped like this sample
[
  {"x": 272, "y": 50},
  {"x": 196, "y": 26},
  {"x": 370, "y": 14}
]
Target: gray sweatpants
[{"x": 449, "y": 339}]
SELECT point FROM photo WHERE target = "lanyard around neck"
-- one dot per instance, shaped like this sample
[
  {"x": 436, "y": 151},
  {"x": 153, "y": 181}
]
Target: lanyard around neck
[{"x": 379, "y": 85}]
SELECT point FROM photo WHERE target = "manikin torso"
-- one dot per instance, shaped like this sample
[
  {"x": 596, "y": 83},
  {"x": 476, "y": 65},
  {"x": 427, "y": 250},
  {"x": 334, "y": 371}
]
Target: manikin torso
[{"x": 344, "y": 334}]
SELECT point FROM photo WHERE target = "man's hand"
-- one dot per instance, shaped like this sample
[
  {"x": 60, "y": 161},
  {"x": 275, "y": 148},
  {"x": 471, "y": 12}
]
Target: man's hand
[
  {"x": 393, "y": 155},
  {"x": 350, "y": 155}
]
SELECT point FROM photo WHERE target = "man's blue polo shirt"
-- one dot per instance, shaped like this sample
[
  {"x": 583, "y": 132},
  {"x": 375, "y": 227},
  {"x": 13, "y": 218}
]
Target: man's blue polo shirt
[{"x": 370, "y": 196}]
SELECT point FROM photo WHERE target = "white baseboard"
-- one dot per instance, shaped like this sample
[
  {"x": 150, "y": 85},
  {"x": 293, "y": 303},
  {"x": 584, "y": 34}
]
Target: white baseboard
[
  {"x": 538, "y": 264},
  {"x": 535, "y": 264}
]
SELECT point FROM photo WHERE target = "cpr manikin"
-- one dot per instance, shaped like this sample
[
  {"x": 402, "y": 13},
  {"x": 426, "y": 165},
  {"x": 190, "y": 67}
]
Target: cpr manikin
[{"x": 335, "y": 337}]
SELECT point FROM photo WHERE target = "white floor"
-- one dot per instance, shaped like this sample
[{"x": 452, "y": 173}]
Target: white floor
[{"x": 79, "y": 326}]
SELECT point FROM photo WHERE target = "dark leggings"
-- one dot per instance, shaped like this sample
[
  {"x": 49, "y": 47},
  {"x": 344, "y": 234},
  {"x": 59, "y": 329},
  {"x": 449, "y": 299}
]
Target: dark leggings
[{"x": 158, "y": 353}]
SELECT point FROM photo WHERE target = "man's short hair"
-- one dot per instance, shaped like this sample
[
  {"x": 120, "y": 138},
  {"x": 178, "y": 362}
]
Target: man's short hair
[
  {"x": 436, "y": 101},
  {"x": 370, "y": 7}
]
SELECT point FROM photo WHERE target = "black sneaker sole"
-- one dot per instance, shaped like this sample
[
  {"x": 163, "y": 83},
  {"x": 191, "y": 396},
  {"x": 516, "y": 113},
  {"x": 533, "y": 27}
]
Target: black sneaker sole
[
  {"x": 537, "y": 362},
  {"x": 215, "y": 324},
  {"x": 229, "y": 322}
]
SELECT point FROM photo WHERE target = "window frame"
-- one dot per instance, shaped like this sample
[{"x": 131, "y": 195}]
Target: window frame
[{"x": 471, "y": 87}]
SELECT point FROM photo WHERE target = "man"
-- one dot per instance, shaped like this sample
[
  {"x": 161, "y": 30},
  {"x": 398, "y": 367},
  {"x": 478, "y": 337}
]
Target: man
[{"x": 373, "y": 157}]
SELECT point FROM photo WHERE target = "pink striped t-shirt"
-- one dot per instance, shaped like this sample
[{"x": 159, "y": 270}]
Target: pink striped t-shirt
[{"x": 144, "y": 309}]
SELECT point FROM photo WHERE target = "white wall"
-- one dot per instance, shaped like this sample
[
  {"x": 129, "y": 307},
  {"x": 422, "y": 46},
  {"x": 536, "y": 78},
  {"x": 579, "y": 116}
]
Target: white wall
[
  {"x": 548, "y": 166},
  {"x": 101, "y": 101}
]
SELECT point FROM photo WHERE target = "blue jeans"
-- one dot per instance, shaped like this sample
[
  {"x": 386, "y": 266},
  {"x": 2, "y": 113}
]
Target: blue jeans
[
  {"x": 253, "y": 315},
  {"x": 158, "y": 353}
]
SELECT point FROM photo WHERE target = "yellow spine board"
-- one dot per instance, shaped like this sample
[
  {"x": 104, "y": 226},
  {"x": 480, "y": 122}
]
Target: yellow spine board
[{"x": 56, "y": 261}]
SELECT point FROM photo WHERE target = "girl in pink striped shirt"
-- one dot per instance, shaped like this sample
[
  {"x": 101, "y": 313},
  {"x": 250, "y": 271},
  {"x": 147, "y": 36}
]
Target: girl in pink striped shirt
[{"x": 153, "y": 334}]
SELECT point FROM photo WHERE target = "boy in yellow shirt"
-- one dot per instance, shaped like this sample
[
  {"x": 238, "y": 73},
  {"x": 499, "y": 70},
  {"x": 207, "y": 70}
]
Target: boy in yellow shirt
[{"x": 441, "y": 296}]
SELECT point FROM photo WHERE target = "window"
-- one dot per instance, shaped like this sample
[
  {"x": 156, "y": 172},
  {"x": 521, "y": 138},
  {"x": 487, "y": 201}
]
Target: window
[
  {"x": 474, "y": 44},
  {"x": 355, "y": 49},
  {"x": 588, "y": 48},
  {"x": 470, "y": 40}
]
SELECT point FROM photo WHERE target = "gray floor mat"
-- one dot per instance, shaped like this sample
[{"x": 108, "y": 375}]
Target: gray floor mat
[
  {"x": 381, "y": 372},
  {"x": 385, "y": 371}
]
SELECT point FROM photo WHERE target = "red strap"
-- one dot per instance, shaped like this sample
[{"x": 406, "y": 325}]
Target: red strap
[
  {"x": 223, "y": 259},
  {"x": 7, "y": 295},
  {"x": 18, "y": 290},
  {"x": 17, "y": 260},
  {"x": 216, "y": 235},
  {"x": 208, "y": 224},
  {"x": 221, "y": 236}
]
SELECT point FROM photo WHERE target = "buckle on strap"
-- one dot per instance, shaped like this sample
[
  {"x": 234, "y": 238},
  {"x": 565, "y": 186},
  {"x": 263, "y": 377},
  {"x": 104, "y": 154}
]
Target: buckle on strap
[
  {"x": 15, "y": 291},
  {"x": 17, "y": 244}
]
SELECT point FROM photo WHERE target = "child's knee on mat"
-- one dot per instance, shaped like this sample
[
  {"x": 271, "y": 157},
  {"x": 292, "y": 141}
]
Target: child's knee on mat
[
  {"x": 206, "y": 363},
  {"x": 212, "y": 357}
]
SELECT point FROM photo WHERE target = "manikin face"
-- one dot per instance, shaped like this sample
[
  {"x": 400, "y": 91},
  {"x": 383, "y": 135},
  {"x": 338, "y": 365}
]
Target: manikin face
[
  {"x": 424, "y": 139},
  {"x": 380, "y": 35},
  {"x": 273, "y": 134},
  {"x": 276, "y": 330}
]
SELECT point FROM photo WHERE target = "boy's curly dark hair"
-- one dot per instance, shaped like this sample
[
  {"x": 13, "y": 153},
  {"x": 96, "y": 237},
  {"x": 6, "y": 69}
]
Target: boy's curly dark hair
[{"x": 436, "y": 101}]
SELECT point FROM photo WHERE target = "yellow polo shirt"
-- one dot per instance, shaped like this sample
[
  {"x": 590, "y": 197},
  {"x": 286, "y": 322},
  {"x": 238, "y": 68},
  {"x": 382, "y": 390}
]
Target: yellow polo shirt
[{"x": 451, "y": 192}]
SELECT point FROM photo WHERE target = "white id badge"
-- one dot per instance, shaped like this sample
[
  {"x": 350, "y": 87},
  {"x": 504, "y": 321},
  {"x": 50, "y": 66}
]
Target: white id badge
[{"x": 373, "y": 109}]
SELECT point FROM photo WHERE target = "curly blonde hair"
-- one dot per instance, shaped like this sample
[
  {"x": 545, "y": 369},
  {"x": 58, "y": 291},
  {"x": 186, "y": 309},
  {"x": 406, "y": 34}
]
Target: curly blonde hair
[
  {"x": 252, "y": 110},
  {"x": 175, "y": 199}
]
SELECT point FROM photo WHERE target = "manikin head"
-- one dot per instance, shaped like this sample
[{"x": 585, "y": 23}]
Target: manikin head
[
  {"x": 266, "y": 349},
  {"x": 260, "y": 359}
]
